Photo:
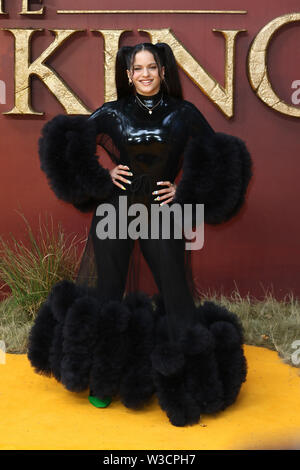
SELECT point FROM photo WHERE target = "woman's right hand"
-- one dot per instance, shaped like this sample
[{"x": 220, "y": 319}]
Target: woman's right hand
[{"x": 116, "y": 173}]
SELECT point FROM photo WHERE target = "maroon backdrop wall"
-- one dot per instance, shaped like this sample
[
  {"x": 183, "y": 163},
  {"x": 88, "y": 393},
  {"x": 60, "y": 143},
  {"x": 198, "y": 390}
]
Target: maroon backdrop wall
[{"x": 257, "y": 250}]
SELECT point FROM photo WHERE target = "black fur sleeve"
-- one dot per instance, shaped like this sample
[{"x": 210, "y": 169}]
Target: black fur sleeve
[
  {"x": 67, "y": 150},
  {"x": 217, "y": 168}
]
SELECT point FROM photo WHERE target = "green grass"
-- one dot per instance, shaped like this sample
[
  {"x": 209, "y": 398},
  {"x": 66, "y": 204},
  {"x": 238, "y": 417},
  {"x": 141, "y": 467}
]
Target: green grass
[
  {"x": 30, "y": 268},
  {"x": 14, "y": 326}
]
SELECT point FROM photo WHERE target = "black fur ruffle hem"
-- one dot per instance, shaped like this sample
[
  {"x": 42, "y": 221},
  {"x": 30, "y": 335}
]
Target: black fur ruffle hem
[{"x": 121, "y": 350}]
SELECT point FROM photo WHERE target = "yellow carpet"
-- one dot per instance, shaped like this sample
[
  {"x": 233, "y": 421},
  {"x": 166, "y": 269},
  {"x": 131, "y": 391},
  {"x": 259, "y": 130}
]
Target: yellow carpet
[{"x": 37, "y": 412}]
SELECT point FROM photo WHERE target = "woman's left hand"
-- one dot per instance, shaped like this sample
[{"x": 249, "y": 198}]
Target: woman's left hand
[{"x": 166, "y": 195}]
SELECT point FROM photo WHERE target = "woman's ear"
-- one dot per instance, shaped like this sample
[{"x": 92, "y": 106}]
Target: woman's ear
[
  {"x": 163, "y": 71},
  {"x": 129, "y": 75}
]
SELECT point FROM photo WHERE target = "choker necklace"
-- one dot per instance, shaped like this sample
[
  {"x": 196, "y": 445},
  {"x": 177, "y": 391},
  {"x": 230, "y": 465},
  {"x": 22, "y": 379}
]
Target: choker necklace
[{"x": 147, "y": 107}]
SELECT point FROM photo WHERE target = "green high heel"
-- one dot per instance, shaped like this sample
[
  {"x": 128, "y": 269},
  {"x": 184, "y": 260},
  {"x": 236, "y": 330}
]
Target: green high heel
[{"x": 99, "y": 403}]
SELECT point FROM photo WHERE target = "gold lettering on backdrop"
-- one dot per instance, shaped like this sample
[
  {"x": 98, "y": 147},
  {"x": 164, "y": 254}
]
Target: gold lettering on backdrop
[
  {"x": 222, "y": 97},
  {"x": 257, "y": 65},
  {"x": 111, "y": 39},
  {"x": 26, "y": 11},
  {"x": 2, "y": 8},
  {"x": 151, "y": 12},
  {"x": 23, "y": 71}
]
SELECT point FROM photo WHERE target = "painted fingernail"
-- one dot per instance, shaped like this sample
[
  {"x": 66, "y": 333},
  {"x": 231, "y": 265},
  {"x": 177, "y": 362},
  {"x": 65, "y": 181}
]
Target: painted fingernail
[
  {"x": 159, "y": 182},
  {"x": 128, "y": 181},
  {"x": 131, "y": 174},
  {"x": 157, "y": 198},
  {"x": 123, "y": 187},
  {"x": 155, "y": 192}
]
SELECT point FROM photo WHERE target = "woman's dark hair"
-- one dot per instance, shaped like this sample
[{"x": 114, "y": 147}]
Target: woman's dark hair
[{"x": 163, "y": 56}]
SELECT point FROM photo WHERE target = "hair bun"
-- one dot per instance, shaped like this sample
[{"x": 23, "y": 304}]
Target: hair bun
[
  {"x": 124, "y": 54},
  {"x": 164, "y": 51}
]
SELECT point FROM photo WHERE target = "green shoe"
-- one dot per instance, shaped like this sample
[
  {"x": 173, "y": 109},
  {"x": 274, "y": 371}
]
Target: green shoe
[{"x": 99, "y": 403}]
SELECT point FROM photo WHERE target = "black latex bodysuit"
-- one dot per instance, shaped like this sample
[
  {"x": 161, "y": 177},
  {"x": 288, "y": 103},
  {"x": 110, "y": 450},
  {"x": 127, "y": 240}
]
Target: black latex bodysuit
[{"x": 152, "y": 146}]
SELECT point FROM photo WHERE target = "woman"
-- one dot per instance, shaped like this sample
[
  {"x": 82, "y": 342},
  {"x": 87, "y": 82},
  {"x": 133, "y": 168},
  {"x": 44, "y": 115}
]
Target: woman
[{"x": 98, "y": 334}]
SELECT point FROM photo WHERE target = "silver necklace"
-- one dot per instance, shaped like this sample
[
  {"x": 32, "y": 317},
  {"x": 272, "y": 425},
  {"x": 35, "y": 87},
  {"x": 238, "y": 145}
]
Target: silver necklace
[{"x": 148, "y": 109}]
